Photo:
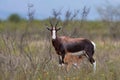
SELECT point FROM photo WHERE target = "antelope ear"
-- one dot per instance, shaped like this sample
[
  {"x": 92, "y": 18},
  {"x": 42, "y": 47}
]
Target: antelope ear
[
  {"x": 48, "y": 28},
  {"x": 58, "y": 28}
]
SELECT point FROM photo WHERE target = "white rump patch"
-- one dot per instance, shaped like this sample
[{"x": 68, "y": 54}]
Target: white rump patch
[
  {"x": 93, "y": 45},
  {"x": 78, "y": 53},
  {"x": 53, "y": 34}
]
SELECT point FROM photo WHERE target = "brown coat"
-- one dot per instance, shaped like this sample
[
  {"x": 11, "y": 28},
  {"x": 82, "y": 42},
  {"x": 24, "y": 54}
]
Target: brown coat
[{"x": 75, "y": 60}]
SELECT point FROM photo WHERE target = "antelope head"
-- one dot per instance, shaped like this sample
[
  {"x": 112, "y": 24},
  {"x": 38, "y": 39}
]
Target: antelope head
[{"x": 53, "y": 29}]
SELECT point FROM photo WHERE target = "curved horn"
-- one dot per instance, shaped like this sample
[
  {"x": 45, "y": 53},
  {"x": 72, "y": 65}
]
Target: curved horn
[
  {"x": 56, "y": 23},
  {"x": 50, "y": 22}
]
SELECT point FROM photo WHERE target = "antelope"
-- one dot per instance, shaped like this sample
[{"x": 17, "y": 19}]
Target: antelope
[
  {"x": 74, "y": 60},
  {"x": 65, "y": 44}
]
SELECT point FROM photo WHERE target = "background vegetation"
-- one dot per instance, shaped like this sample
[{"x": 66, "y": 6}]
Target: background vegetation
[{"x": 26, "y": 52}]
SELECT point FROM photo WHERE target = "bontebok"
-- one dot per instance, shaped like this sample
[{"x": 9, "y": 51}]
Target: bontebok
[{"x": 64, "y": 44}]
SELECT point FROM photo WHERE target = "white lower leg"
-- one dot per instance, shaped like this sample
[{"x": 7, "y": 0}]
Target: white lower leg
[
  {"x": 61, "y": 65},
  {"x": 94, "y": 66}
]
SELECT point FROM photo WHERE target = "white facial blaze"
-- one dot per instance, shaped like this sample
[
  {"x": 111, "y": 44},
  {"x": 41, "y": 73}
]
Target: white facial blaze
[{"x": 53, "y": 34}]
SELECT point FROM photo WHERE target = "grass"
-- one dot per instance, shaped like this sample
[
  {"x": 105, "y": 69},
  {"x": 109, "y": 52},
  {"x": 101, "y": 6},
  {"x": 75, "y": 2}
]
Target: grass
[{"x": 32, "y": 57}]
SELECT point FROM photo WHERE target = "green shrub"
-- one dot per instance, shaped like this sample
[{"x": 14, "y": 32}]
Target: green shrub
[{"x": 14, "y": 18}]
